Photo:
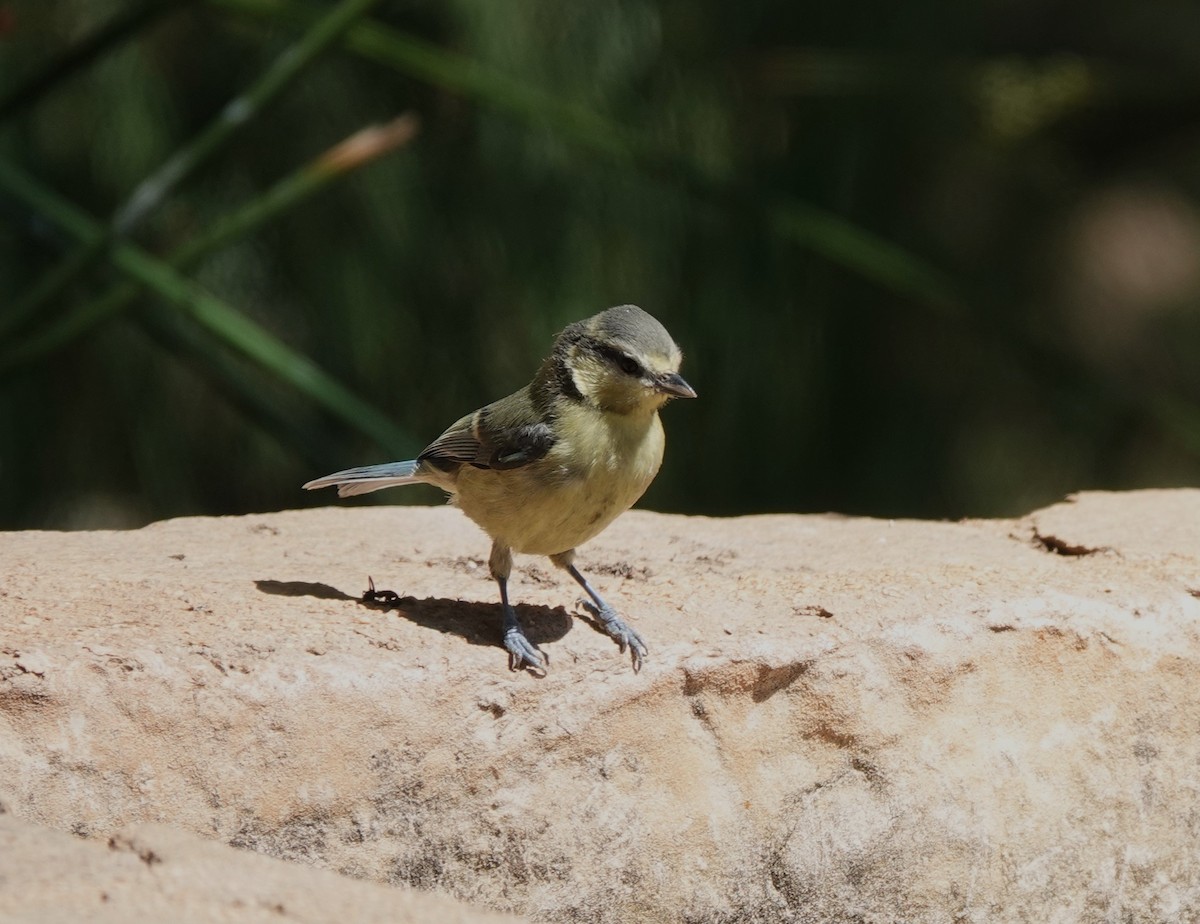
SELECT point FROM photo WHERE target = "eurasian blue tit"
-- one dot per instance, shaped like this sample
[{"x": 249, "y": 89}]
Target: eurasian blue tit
[{"x": 550, "y": 466}]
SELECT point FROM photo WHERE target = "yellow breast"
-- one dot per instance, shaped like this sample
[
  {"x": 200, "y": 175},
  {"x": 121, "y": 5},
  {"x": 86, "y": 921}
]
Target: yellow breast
[{"x": 597, "y": 469}]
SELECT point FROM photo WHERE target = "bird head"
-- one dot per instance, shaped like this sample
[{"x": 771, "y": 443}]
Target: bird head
[{"x": 621, "y": 360}]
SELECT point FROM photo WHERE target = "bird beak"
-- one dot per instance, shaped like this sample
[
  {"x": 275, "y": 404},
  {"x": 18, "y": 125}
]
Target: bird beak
[{"x": 673, "y": 384}]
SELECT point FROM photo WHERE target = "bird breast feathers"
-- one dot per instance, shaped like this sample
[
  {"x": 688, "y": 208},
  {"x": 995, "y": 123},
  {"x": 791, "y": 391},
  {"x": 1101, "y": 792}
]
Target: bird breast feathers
[{"x": 596, "y": 470}]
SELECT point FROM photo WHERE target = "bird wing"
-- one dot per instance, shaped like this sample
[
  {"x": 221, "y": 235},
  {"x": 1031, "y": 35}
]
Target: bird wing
[{"x": 505, "y": 434}]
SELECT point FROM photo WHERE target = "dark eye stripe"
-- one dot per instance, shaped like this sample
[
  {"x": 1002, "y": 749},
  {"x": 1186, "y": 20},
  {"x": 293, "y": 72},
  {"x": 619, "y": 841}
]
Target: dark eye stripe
[{"x": 621, "y": 360}]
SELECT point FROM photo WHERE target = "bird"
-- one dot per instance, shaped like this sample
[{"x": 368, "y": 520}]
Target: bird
[{"x": 549, "y": 467}]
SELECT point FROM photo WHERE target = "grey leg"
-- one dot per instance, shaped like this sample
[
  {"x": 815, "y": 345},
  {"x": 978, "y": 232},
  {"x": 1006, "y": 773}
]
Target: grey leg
[
  {"x": 613, "y": 624},
  {"x": 520, "y": 650}
]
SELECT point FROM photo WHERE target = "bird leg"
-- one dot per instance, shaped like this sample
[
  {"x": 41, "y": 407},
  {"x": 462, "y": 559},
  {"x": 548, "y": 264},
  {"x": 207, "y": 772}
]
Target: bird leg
[
  {"x": 520, "y": 649},
  {"x": 613, "y": 624}
]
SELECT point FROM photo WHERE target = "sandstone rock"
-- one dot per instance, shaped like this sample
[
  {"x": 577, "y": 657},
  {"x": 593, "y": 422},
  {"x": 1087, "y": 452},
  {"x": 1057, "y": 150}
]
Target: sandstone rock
[
  {"x": 840, "y": 719},
  {"x": 156, "y": 874}
]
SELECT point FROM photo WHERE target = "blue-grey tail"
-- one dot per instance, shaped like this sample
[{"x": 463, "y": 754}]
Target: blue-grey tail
[{"x": 369, "y": 478}]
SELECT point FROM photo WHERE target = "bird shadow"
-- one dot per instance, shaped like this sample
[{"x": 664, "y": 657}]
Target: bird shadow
[{"x": 477, "y": 623}]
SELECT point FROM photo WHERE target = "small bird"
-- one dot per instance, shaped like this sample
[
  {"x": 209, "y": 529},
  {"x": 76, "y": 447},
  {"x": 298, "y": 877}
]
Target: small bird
[{"x": 550, "y": 466}]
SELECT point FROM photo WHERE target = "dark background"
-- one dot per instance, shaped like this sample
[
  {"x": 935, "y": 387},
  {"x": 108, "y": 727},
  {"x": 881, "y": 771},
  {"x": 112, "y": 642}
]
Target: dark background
[{"x": 924, "y": 259}]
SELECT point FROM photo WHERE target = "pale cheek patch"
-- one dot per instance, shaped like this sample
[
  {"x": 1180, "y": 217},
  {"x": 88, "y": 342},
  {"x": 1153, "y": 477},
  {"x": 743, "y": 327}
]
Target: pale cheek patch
[
  {"x": 582, "y": 386},
  {"x": 587, "y": 378}
]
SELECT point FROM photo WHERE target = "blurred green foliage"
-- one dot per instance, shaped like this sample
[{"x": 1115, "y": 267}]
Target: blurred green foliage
[{"x": 925, "y": 259}]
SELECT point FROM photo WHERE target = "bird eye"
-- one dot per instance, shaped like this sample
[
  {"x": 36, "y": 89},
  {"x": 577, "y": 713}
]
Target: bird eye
[
  {"x": 629, "y": 365},
  {"x": 619, "y": 358}
]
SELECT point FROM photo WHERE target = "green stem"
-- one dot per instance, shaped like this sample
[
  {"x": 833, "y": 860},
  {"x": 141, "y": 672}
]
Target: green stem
[
  {"x": 155, "y": 188},
  {"x": 240, "y": 110},
  {"x": 805, "y": 225},
  {"x": 219, "y": 319},
  {"x": 359, "y": 150},
  {"x": 111, "y": 34},
  {"x": 873, "y": 257},
  {"x": 433, "y": 64},
  {"x": 240, "y": 384},
  {"x": 52, "y": 283}
]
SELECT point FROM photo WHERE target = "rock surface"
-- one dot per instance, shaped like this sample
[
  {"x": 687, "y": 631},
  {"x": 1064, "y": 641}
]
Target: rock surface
[
  {"x": 155, "y": 874},
  {"x": 840, "y": 719}
]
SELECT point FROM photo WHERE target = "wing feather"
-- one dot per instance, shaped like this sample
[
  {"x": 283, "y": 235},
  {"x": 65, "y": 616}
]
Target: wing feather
[{"x": 506, "y": 434}]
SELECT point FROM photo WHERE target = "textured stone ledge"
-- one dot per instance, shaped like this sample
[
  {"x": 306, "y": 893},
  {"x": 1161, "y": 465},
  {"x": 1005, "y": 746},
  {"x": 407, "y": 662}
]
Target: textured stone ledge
[{"x": 840, "y": 719}]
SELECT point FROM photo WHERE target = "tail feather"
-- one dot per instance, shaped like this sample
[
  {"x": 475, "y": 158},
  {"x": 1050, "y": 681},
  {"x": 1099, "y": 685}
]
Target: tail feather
[{"x": 367, "y": 478}]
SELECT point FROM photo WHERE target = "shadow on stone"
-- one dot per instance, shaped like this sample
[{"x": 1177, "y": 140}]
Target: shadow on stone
[
  {"x": 478, "y": 623},
  {"x": 302, "y": 589}
]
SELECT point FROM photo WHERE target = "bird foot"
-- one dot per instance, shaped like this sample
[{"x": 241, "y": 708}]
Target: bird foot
[
  {"x": 521, "y": 651},
  {"x": 620, "y": 630}
]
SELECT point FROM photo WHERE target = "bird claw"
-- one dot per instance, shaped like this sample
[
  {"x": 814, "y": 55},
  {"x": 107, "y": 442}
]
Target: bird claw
[
  {"x": 620, "y": 630},
  {"x": 521, "y": 651}
]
